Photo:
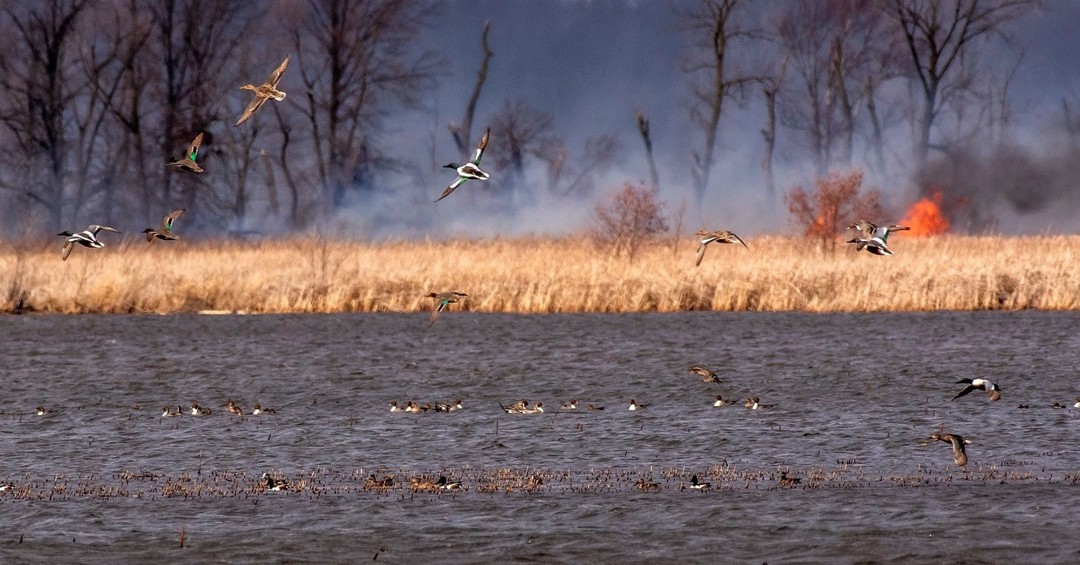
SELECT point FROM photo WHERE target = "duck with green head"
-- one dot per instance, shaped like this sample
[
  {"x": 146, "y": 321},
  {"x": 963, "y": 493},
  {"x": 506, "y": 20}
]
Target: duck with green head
[{"x": 470, "y": 170}]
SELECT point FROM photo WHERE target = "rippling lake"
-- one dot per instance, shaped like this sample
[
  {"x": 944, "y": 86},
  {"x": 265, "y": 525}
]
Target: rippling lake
[{"x": 102, "y": 477}]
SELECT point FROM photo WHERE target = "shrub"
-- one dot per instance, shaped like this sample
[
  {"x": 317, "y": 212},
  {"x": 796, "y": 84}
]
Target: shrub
[
  {"x": 836, "y": 202},
  {"x": 628, "y": 219}
]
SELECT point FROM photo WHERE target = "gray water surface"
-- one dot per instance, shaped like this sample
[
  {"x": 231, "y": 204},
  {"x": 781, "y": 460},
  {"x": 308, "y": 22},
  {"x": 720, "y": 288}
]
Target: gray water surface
[{"x": 855, "y": 396}]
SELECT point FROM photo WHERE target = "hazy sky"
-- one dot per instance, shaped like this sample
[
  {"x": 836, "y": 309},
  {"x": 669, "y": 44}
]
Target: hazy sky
[{"x": 592, "y": 63}]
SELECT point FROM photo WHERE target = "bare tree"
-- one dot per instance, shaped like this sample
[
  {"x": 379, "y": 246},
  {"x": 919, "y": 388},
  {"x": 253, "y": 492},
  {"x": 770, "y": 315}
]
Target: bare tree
[
  {"x": 643, "y": 128},
  {"x": 628, "y": 219},
  {"x": 715, "y": 25},
  {"x": 38, "y": 98},
  {"x": 938, "y": 35},
  {"x": 198, "y": 40},
  {"x": 463, "y": 134},
  {"x": 771, "y": 87},
  {"x": 354, "y": 61}
]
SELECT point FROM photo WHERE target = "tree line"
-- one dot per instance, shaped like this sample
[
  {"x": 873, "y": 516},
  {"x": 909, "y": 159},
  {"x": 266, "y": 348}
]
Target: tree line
[{"x": 96, "y": 95}]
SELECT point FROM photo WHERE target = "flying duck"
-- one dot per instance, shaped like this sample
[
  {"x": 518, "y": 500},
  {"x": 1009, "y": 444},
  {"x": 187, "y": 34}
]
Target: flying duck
[
  {"x": 165, "y": 231},
  {"x": 264, "y": 91},
  {"x": 874, "y": 239},
  {"x": 87, "y": 238},
  {"x": 708, "y": 237},
  {"x": 957, "y": 441},
  {"x": 979, "y": 384},
  {"x": 706, "y": 375},
  {"x": 188, "y": 162},
  {"x": 470, "y": 170},
  {"x": 443, "y": 299}
]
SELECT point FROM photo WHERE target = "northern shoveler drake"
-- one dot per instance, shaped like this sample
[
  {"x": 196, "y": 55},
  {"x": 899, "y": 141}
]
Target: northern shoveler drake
[
  {"x": 707, "y": 237},
  {"x": 445, "y": 484},
  {"x": 188, "y": 161},
  {"x": 165, "y": 231},
  {"x": 269, "y": 483},
  {"x": 957, "y": 441},
  {"x": 86, "y": 238},
  {"x": 721, "y": 402},
  {"x": 442, "y": 300},
  {"x": 470, "y": 170},
  {"x": 260, "y": 409},
  {"x": 232, "y": 408},
  {"x": 635, "y": 406},
  {"x": 572, "y": 405},
  {"x": 979, "y": 384},
  {"x": 694, "y": 484},
  {"x": 754, "y": 403},
  {"x": 264, "y": 92},
  {"x": 706, "y": 375},
  {"x": 197, "y": 410}
]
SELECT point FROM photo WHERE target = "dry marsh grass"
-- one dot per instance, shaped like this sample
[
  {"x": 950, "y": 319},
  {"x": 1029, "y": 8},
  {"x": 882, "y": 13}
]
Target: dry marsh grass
[{"x": 542, "y": 275}]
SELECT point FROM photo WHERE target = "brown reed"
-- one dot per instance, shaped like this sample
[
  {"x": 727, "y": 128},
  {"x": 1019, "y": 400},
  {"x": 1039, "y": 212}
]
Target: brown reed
[{"x": 541, "y": 275}]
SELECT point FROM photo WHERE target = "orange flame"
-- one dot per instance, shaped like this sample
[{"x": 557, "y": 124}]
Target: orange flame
[{"x": 925, "y": 217}]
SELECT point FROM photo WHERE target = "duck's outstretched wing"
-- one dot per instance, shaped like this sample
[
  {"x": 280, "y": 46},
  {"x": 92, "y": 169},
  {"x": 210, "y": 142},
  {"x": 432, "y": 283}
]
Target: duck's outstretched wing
[
  {"x": 67, "y": 248},
  {"x": 193, "y": 149},
  {"x": 700, "y": 254},
  {"x": 483, "y": 145},
  {"x": 460, "y": 181},
  {"x": 252, "y": 107},
  {"x": 275, "y": 76},
  {"x": 966, "y": 390},
  {"x": 167, "y": 221}
]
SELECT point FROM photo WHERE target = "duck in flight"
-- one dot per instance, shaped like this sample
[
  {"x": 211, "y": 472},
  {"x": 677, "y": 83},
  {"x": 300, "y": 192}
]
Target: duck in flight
[
  {"x": 706, "y": 375},
  {"x": 957, "y": 441},
  {"x": 165, "y": 231},
  {"x": 874, "y": 239},
  {"x": 442, "y": 300},
  {"x": 708, "y": 237},
  {"x": 979, "y": 384},
  {"x": 86, "y": 238},
  {"x": 470, "y": 170},
  {"x": 264, "y": 92},
  {"x": 188, "y": 161}
]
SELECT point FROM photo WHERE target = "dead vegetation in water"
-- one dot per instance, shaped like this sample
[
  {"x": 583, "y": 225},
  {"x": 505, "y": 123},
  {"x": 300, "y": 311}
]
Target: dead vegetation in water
[
  {"x": 541, "y": 275},
  {"x": 407, "y": 483}
]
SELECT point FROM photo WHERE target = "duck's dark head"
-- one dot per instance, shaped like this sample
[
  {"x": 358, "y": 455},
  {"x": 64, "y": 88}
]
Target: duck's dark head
[
  {"x": 149, "y": 230},
  {"x": 451, "y": 166},
  {"x": 65, "y": 233}
]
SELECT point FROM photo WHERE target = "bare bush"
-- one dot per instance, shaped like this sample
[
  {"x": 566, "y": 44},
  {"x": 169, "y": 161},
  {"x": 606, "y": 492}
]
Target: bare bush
[
  {"x": 628, "y": 219},
  {"x": 836, "y": 201}
]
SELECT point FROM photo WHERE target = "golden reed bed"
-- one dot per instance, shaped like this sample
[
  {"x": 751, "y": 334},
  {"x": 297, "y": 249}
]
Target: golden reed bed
[{"x": 541, "y": 275}]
